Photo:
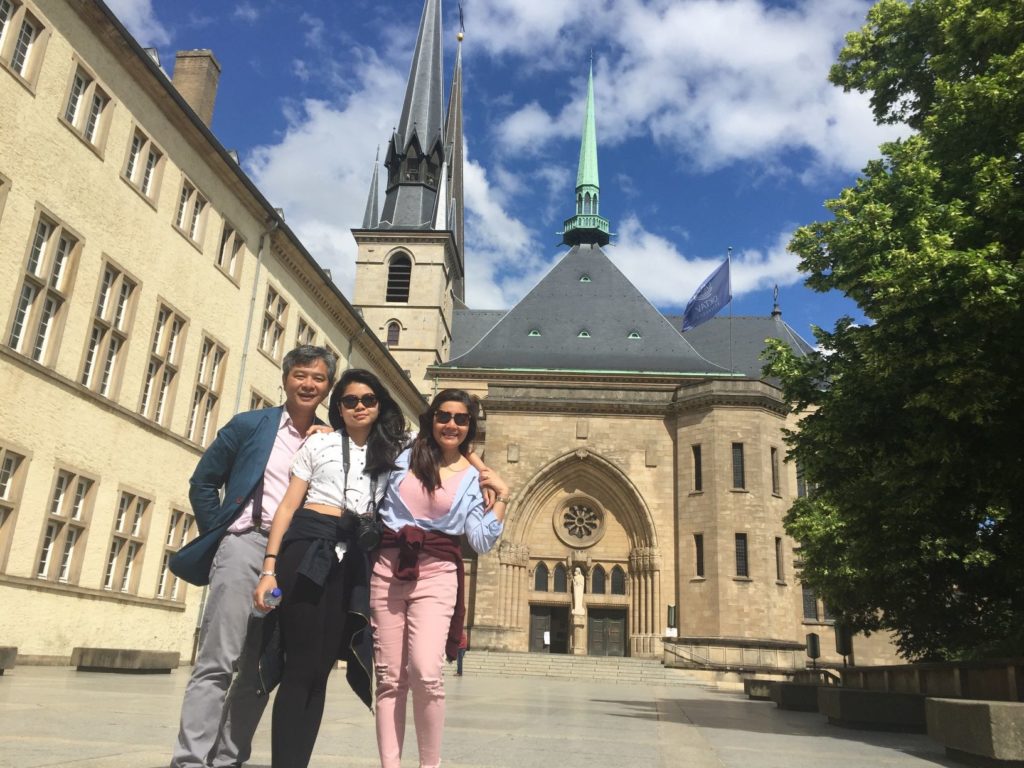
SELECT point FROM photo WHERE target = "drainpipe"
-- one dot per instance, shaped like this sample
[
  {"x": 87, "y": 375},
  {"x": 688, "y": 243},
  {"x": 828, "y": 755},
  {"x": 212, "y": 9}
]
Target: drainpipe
[{"x": 272, "y": 225}]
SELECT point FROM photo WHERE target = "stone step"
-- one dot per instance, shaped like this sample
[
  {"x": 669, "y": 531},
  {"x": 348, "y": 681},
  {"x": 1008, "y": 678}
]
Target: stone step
[{"x": 619, "y": 669}]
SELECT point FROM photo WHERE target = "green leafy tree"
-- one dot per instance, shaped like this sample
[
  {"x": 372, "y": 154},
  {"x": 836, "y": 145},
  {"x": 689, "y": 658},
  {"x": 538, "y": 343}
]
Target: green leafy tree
[{"x": 912, "y": 428}]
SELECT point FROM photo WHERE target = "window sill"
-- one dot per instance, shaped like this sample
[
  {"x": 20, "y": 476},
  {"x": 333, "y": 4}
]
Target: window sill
[
  {"x": 149, "y": 200},
  {"x": 697, "y": 579},
  {"x": 276, "y": 362},
  {"x": 742, "y": 578},
  {"x": 194, "y": 243},
  {"x": 781, "y": 583},
  {"x": 28, "y": 85},
  {"x": 776, "y": 494},
  {"x": 696, "y": 493},
  {"x": 234, "y": 280},
  {"x": 96, "y": 149},
  {"x": 738, "y": 490}
]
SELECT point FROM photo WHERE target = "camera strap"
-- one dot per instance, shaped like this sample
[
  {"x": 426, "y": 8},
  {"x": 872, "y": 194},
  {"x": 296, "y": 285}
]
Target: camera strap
[{"x": 345, "y": 463}]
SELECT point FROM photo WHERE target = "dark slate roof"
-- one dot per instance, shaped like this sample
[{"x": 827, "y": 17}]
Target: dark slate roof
[
  {"x": 712, "y": 340},
  {"x": 470, "y": 325},
  {"x": 608, "y": 306}
]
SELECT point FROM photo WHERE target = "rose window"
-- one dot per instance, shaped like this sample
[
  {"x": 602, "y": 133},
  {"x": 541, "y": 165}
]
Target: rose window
[{"x": 580, "y": 521}]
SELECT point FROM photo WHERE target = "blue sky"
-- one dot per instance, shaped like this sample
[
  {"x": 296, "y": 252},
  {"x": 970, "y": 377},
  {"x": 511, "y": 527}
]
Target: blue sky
[{"x": 717, "y": 127}]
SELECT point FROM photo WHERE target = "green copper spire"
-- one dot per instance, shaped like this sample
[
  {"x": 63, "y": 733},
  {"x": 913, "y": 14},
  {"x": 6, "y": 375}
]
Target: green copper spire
[{"x": 587, "y": 226}]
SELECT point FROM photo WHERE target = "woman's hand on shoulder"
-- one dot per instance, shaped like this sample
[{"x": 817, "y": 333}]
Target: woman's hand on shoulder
[{"x": 319, "y": 429}]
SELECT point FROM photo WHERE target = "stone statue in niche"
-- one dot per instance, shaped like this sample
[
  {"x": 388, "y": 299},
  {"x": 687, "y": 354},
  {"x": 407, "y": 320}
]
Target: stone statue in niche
[{"x": 577, "y": 591}]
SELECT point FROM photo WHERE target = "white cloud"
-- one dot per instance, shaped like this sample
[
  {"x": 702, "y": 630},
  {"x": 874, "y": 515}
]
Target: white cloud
[
  {"x": 668, "y": 277},
  {"x": 246, "y": 12},
  {"x": 141, "y": 21},
  {"x": 720, "y": 81}
]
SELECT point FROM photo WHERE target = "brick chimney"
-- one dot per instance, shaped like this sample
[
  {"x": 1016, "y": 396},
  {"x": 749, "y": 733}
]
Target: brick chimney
[{"x": 196, "y": 74}]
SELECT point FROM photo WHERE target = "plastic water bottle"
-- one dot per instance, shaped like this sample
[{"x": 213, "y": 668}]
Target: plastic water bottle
[{"x": 272, "y": 599}]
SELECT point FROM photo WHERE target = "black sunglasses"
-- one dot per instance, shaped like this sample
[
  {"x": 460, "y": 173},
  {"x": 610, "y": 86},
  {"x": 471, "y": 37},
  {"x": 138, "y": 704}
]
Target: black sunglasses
[
  {"x": 443, "y": 417},
  {"x": 351, "y": 401}
]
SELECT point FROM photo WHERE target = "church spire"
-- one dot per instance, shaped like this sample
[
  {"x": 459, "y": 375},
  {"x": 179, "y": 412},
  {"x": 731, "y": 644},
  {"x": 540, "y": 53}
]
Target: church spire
[
  {"x": 416, "y": 150},
  {"x": 454, "y": 151},
  {"x": 371, "y": 217},
  {"x": 587, "y": 226}
]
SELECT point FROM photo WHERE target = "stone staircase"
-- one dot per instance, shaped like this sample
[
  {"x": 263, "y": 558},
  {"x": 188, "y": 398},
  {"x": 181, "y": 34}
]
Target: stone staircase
[{"x": 628, "y": 671}]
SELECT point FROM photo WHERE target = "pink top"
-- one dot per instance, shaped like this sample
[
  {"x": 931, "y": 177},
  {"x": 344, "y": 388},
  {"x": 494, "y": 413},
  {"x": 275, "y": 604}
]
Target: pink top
[
  {"x": 421, "y": 504},
  {"x": 276, "y": 476}
]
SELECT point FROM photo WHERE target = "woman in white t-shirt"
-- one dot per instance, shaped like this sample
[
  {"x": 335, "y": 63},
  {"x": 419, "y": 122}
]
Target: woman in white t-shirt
[{"x": 313, "y": 556}]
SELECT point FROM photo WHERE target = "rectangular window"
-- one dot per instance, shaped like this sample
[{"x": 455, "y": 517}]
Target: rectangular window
[
  {"x": 209, "y": 382},
  {"x": 87, "y": 107},
  {"x": 190, "y": 214},
  {"x": 257, "y": 401},
  {"x": 275, "y": 315},
  {"x": 738, "y": 474},
  {"x": 124, "y": 558},
  {"x": 107, "y": 344},
  {"x": 810, "y": 604},
  {"x": 45, "y": 291},
  {"x": 698, "y": 470},
  {"x": 22, "y": 40},
  {"x": 780, "y": 571},
  {"x": 775, "y": 471},
  {"x": 12, "y": 476},
  {"x": 164, "y": 362},
  {"x": 60, "y": 555},
  {"x": 179, "y": 532},
  {"x": 229, "y": 255},
  {"x": 5, "y": 187},
  {"x": 742, "y": 566},
  {"x": 306, "y": 334},
  {"x": 698, "y": 547},
  {"x": 143, "y": 165}
]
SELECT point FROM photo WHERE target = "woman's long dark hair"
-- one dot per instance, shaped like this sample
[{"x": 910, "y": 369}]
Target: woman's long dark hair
[
  {"x": 425, "y": 462},
  {"x": 387, "y": 434}
]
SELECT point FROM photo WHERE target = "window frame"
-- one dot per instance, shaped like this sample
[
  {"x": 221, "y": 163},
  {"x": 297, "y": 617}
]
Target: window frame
[
  {"x": 393, "y": 331},
  {"x": 398, "y": 288},
  {"x": 133, "y": 539},
  {"x": 27, "y": 74},
  {"x": 773, "y": 456},
  {"x": 547, "y": 577},
  {"x": 780, "y": 563},
  {"x": 159, "y": 409},
  {"x": 307, "y": 329},
  {"x": 12, "y": 486},
  {"x": 5, "y": 188},
  {"x": 62, "y": 518},
  {"x": 615, "y": 576},
  {"x": 742, "y": 546},
  {"x": 41, "y": 280},
  {"x": 258, "y": 401},
  {"x": 180, "y": 524},
  {"x": 598, "y": 587},
  {"x": 187, "y": 221},
  {"x": 134, "y": 173},
  {"x": 230, "y": 240},
  {"x": 208, "y": 389},
  {"x": 110, "y": 330},
  {"x": 739, "y": 472},
  {"x": 274, "y": 321},
  {"x": 697, "y": 468},
  {"x": 698, "y": 556},
  {"x": 78, "y": 123}
]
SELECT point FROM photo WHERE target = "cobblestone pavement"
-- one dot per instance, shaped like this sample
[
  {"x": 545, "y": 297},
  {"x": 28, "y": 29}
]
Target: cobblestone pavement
[{"x": 58, "y": 717}]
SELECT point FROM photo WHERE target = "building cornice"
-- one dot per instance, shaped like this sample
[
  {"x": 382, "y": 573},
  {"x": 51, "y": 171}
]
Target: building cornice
[{"x": 729, "y": 394}]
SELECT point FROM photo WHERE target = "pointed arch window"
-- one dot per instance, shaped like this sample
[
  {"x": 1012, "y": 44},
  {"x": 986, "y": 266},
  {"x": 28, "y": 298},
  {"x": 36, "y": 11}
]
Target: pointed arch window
[
  {"x": 399, "y": 277},
  {"x": 540, "y": 578},
  {"x": 394, "y": 333},
  {"x": 561, "y": 580},
  {"x": 588, "y": 203},
  {"x": 618, "y": 581},
  {"x": 412, "y": 165},
  {"x": 597, "y": 580},
  {"x": 579, "y": 203}
]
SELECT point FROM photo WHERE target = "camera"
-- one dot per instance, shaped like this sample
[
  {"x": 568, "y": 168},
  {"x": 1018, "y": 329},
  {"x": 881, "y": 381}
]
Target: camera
[{"x": 367, "y": 532}]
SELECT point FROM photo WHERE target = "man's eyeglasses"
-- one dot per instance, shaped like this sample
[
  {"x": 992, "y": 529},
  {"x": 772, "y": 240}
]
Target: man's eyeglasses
[
  {"x": 351, "y": 401},
  {"x": 443, "y": 417}
]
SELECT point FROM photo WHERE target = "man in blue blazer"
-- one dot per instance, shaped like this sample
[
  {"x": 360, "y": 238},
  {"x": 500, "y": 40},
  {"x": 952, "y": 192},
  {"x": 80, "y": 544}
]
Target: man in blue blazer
[{"x": 235, "y": 491}]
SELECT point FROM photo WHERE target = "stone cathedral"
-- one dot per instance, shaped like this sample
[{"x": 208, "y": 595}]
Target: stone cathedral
[{"x": 648, "y": 465}]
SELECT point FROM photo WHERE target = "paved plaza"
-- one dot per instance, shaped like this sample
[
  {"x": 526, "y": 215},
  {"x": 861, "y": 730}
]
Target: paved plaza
[{"x": 58, "y": 717}]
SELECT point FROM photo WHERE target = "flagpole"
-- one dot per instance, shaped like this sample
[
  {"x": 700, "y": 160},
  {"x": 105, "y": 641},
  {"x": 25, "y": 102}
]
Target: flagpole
[{"x": 728, "y": 257}]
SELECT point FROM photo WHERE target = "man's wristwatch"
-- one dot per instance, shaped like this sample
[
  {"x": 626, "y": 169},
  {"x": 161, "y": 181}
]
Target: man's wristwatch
[
  {"x": 268, "y": 573},
  {"x": 504, "y": 499}
]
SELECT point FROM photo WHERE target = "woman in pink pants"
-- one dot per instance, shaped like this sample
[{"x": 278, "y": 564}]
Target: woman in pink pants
[{"x": 416, "y": 589}]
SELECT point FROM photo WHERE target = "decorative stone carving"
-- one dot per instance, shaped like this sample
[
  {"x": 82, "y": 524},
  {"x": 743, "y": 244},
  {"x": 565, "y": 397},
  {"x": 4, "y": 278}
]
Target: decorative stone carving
[
  {"x": 577, "y": 591},
  {"x": 579, "y": 522}
]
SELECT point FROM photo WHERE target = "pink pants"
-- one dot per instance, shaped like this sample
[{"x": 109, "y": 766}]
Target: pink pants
[{"x": 410, "y": 621}]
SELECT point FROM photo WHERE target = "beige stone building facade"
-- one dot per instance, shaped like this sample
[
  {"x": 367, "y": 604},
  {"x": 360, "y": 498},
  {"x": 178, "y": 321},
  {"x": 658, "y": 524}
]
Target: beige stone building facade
[
  {"x": 648, "y": 465},
  {"x": 148, "y": 291}
]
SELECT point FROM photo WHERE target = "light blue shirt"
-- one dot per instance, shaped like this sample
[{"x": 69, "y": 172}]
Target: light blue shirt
[{"x": 467, "y": 515}]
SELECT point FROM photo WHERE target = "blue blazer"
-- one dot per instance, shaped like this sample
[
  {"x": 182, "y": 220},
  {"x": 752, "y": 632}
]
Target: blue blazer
[{"x": 235, "y": 461}]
